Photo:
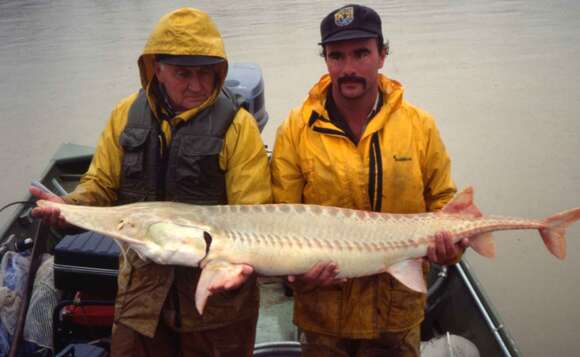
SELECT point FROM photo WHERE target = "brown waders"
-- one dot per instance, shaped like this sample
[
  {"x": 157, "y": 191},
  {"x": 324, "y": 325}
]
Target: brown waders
[
  {"x": 392, "y": 344},
  {"x": 235, "y": 340}
]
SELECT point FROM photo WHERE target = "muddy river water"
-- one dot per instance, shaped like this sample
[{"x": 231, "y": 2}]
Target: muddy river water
[{"x": 500, "y": 76}]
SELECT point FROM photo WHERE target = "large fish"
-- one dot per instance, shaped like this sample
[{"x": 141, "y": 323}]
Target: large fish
[{"x": 288, "y": 239}]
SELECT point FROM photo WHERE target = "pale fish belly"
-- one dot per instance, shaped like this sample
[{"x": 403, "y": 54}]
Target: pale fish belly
[
  {"x": 361, "y": 243},
  {"x": 283, "y": 255}
]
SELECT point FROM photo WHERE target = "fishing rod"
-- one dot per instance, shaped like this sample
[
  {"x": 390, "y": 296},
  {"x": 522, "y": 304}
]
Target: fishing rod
[{"x": 40, "y": 231}]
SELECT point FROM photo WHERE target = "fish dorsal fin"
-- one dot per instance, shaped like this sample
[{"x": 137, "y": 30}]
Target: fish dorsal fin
[
  {"x": 462, "y": 203},
  {"x": 410, "y": 273}
]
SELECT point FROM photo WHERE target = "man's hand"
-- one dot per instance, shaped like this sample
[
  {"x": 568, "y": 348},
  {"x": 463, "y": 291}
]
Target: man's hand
[
  {"x": 445, "y": 252},
  {"x": 48, "y": 215},
  {"x": 234, "y": 279},
  {"x": 321, "y": 274}
]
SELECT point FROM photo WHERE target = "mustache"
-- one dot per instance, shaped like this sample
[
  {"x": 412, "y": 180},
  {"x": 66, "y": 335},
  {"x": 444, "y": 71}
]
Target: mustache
[{"x": 352, "y": 79}]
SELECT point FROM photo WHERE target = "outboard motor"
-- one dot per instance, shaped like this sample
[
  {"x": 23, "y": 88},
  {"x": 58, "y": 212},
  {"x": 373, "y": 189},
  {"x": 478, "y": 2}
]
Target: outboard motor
[{"x": 245, "y": 81}]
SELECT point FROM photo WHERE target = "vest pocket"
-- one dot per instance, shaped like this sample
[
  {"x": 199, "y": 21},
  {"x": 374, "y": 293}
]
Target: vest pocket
[
  {"x": 198, "y": 159},
  {"x": 133, "y": 142}
]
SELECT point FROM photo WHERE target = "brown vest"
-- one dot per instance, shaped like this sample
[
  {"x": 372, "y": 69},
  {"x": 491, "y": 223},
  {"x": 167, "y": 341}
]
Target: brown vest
[{"x": 188, "y": 172}]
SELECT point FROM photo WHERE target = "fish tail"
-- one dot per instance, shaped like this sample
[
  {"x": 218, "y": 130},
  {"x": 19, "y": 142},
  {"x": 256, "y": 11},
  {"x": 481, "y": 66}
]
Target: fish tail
[{"x": 554, "y": 232}]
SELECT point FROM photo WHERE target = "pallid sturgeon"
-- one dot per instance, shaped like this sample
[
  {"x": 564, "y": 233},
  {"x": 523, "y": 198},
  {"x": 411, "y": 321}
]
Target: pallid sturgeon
[{"x": 289, "y": 239}]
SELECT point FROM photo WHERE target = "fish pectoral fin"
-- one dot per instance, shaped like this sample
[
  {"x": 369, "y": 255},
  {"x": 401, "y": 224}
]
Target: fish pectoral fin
[
  {"x": 218, "y": 275},
  {"x": 483, "y": 244},
  {"x": 410, "y": 273}
]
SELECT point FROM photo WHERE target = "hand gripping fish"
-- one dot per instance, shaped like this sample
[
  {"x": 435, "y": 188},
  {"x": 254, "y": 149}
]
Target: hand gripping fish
[{"x": 288, "y": 239}]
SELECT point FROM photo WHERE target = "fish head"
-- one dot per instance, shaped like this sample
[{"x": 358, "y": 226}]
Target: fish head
[{"x": 151, "y": 229}]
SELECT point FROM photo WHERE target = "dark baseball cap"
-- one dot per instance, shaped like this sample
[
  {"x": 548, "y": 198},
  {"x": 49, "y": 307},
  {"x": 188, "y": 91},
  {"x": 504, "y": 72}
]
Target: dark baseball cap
[
  {"x": 188, "y": 60},
  {"x": 350, "y": 22}
]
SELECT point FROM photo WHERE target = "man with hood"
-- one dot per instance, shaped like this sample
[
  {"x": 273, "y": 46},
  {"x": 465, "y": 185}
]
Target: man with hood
[
  {"x": 182, "y": 138},
  {"x": 356, "y": 143}
]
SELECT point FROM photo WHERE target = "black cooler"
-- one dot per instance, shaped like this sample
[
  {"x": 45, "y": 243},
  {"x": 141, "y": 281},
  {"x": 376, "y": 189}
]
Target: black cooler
[{"x": 86, "y": 262}]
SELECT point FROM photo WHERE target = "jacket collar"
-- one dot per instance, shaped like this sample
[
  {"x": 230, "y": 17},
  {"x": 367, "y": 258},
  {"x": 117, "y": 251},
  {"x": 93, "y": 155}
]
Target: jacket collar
[{"x": 314, "y": 112}]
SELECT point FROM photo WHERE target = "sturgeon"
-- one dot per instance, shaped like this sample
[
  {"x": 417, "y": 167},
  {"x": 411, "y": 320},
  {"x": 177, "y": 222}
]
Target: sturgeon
[{"x": 289, "y": 239}]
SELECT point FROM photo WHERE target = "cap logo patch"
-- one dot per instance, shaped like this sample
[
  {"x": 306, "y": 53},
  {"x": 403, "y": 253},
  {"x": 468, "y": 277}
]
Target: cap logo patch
[{"x": 344, "y": 16}]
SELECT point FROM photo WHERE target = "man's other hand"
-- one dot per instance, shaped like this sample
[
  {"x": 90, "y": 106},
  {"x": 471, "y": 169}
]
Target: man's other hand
[
  {"x": 48, "y": 215},
  {"x": 321, "y": 274},
  {"x": 444, "y": 251},
  {"x": 234, "y": 279}
]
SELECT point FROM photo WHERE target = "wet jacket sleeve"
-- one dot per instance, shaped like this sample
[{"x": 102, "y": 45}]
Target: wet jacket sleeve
[
  {"x": 245, "y": 161},
  {"x": 287, "y": 179},
  {"x": 99, "y": 185},
  {"x": 439, "y": 186}
]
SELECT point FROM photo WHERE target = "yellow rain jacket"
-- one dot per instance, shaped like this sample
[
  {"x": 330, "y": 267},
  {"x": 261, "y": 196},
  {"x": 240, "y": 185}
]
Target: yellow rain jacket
[
  {"x": 243, "y": 158},
  {"x": 399, "y": 166}
]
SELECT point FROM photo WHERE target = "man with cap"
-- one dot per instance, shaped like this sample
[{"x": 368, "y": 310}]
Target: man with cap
[
  {"x": 183, "y": 138},
  {"x": 356, "y": 143}
]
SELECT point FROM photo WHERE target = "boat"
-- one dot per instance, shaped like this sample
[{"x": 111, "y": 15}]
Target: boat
[{"x": 460, "y": 319}]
